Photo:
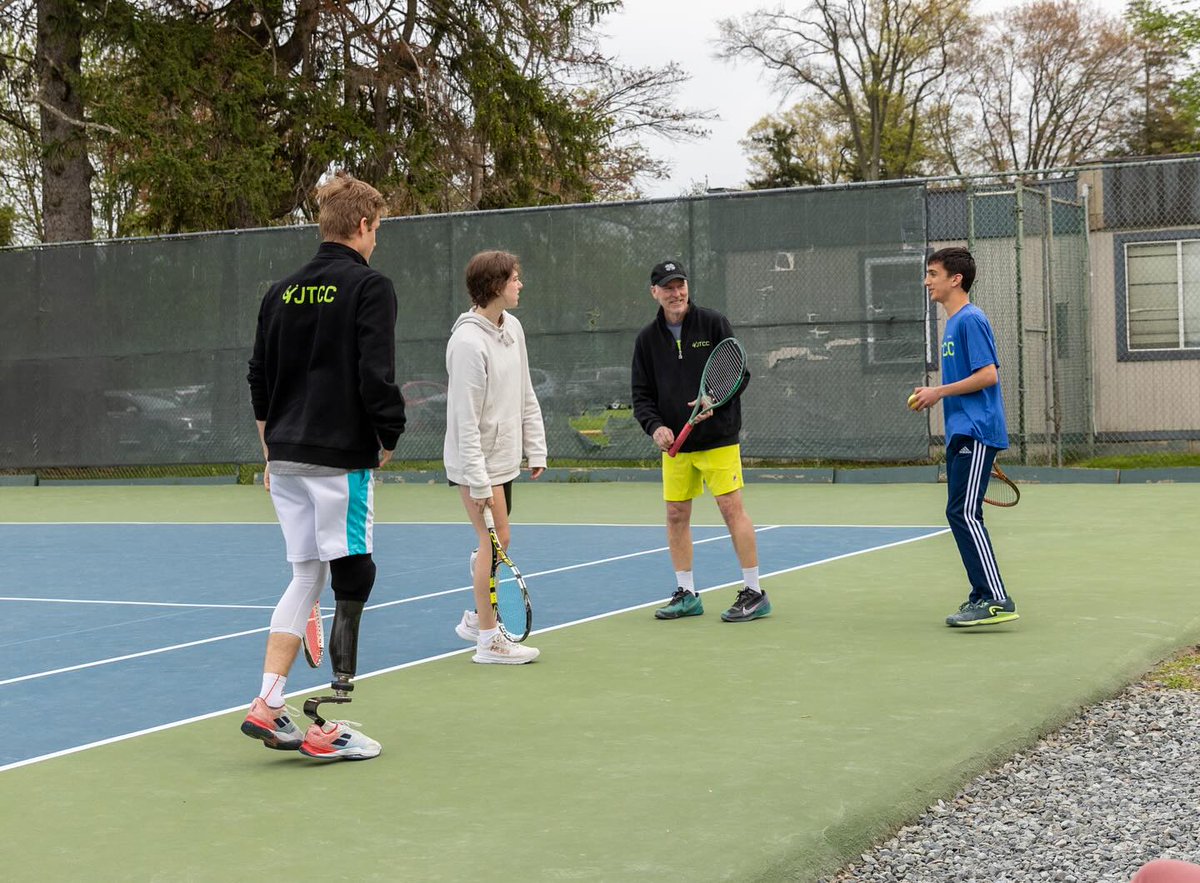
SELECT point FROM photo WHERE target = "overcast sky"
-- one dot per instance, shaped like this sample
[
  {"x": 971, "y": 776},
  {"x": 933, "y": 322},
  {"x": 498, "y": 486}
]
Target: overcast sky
[{"x": 655, "y": 32}]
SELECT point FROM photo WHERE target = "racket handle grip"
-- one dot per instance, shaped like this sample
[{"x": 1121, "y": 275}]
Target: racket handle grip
[
  {"x": 489, "y": 520},
  {"x": 680, "y": 439}
]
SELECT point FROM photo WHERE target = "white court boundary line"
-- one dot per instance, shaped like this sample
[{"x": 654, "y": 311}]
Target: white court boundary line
[
  {"x": 157, "y": 650},
  {"x": 460, "y": 523},
  {"x": 117, "y": 603},
  {"x": 410, "y": 664}
]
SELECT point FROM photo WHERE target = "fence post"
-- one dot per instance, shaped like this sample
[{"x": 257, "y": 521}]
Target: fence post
[
  {"x": 1089, "y": 372},
  {"x": 1019, "y": 210},
  {"x": 1053, "y": 421},
  {"x": 970, "y": 216}
]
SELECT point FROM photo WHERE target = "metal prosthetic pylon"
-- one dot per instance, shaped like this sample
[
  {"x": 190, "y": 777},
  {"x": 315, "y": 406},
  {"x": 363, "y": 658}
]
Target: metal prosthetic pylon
[{"x": 341, "y": 687}]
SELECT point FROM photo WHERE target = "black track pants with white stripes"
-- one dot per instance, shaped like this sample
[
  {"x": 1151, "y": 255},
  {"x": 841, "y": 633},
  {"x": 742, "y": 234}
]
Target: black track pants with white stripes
[{"x": 968, "y": 466}]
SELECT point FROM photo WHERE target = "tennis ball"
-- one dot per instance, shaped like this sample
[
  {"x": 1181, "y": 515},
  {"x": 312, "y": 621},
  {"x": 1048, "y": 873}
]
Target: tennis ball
[{"x": 912, "y": 401}]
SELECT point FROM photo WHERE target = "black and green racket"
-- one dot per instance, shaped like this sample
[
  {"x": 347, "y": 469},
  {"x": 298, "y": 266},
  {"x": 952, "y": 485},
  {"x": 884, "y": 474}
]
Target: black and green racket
[
  {"x": 506, "y": 589},
  {"x": 724, "y": 373}
]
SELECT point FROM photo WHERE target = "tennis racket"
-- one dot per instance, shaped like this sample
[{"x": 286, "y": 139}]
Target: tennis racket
[
  {"x": 724, "y": 373},
  {"x": 314, "y": 637},
  {"x": 506, "y": 589},
  {"x": 1001, "y": 491}
]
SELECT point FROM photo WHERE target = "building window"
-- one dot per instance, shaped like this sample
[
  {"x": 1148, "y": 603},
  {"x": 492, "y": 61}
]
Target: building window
[{"x": 1162, "y": 296}]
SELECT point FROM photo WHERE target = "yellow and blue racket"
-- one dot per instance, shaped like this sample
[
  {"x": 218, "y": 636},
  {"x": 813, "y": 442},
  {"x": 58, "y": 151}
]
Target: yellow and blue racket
[{"x": 507, "y": 590}]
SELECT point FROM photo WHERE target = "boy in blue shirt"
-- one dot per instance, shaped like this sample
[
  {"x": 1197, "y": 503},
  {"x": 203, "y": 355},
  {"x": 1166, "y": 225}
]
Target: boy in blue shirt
[{"x": 975, "y": 430}]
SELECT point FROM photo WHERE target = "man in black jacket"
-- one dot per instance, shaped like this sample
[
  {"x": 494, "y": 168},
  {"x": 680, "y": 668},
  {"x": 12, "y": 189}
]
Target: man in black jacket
[
  {"x": 323, "y": 387},
  {"x": 668, "y": 361}
]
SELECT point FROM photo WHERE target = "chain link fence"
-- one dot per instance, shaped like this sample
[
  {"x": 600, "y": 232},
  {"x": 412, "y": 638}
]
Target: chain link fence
[{"x": 131, "y": 353}]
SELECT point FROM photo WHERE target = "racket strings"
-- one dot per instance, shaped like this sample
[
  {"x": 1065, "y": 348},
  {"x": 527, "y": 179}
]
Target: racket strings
[
  {"x": 511, "y": 600},
  {"x": 1000, "y": 491},
  {"x": 724, "y": 373}
]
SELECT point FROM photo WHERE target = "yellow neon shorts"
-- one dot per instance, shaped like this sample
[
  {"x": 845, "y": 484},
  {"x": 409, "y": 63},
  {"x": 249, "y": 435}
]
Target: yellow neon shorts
[{"x": 686, "y": 474}]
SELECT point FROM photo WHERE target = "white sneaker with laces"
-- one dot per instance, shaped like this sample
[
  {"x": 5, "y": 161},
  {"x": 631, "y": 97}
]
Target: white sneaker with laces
[
  {"x": 468, "y": 626},
  {"x": 338, "y": 741},
  {"x": 504, "y": 652}
]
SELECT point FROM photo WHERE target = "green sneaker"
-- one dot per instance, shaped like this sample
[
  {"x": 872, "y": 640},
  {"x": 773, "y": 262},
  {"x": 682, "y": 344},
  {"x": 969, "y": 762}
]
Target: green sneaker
[
  {"x": 682, "y": 603},
  {"x": 748, "y": 605},
  {"x": 983, "y": 613}
]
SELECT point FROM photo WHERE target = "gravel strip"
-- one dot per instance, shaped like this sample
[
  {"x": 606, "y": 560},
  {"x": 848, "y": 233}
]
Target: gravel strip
[{"x": 1114, "y": 789}]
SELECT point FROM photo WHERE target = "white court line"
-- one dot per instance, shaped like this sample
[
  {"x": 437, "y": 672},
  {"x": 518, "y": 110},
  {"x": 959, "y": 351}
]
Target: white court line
[
  {"x": 327, "y": 616},
  {"x": 552, "y": 628},
  {"x": 141, "y": 603},
  {"x": 422, "y": 661},
  {"x": 529, "y": 576},
  {"x": 128, "y": 656},
  {"x": 201, "y": 717},
  {"x": 460, "y": 523}
]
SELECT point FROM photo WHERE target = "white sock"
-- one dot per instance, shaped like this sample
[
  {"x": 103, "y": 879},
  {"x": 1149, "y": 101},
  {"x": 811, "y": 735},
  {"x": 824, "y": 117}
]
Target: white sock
[
  {"x": 272, "y": 689},
  {"x": 750, "y": 578},
  {"x": 486, "y": 635},
  {"x": 685, "y": 580}
]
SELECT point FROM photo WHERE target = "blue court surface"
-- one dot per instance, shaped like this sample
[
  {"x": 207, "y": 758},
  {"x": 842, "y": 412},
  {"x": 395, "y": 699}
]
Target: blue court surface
[{"x": 119, "y": 629}]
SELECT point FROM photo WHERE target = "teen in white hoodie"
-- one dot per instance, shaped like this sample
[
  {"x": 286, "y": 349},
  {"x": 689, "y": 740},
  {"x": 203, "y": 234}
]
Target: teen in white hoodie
[{"x": 492, "y": 418}]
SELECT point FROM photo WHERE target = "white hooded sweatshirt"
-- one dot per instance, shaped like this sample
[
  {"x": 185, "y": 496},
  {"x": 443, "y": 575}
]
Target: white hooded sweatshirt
[{"x": 492, "y": 413}]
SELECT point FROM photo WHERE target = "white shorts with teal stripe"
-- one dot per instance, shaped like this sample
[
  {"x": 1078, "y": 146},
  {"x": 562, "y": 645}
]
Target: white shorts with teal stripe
[{"x": 325, "y": 516}]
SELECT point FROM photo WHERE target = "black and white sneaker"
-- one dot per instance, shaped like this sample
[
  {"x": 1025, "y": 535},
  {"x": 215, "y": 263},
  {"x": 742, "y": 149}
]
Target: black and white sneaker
[{"x": 748, "y": 605}]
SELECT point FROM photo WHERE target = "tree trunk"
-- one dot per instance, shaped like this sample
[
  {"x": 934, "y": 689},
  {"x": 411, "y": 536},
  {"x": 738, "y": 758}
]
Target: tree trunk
[{"x": 66, "y": 169}]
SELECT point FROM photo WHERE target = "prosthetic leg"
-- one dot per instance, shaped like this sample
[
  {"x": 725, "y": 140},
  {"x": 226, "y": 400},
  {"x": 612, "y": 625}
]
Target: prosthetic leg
[{"x": 353, "y": 579}]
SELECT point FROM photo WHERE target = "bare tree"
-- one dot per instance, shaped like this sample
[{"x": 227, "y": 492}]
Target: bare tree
[
  {"x": 1051, "y": 82},
  {"x": 639, "y": 102},
  {"x": 875, "y": 61}
]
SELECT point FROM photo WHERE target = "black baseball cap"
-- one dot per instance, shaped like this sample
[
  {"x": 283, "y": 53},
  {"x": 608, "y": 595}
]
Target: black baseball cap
[{"x": 666, "y": 271}]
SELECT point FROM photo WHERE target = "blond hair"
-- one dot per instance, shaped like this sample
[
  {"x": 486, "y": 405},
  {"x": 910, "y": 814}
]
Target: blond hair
[
  {"x": 487, "y": 274},
  {"x": 342, "y": 202}
]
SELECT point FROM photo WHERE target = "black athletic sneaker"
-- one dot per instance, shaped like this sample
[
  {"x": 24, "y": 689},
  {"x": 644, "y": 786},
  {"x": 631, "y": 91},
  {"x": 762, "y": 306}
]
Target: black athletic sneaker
[
  {"x": 682, "y": 603},
  {"x": 983, "y": 613},
  {"x": 748, "y": 605}
]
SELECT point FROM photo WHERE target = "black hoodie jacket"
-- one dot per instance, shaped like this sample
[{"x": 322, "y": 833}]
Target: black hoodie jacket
[
  {"x": 666, "y": 378},
  {"x": 323, "y": 373}
]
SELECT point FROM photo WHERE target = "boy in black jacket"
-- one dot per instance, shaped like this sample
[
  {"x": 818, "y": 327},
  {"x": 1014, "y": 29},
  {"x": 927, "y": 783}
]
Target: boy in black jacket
[
  {"x": 323, "y": 386},
  {"x": 668, "y": 360}
]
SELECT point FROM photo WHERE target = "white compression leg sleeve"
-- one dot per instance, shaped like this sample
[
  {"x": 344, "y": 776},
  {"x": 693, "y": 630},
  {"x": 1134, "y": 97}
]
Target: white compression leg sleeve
[{"x": 291, "y": 613}]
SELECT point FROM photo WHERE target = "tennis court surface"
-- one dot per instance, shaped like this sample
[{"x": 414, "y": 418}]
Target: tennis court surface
[{"x": 632, "y": 750}]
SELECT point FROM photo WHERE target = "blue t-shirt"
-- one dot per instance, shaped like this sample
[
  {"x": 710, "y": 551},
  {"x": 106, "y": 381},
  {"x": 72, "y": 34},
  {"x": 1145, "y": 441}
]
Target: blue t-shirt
[{"x": 967, "y": 346}]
